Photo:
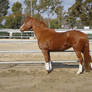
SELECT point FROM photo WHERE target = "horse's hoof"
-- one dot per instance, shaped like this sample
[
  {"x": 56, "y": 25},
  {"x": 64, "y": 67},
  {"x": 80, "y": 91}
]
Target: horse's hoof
[
  {"x": 79, "y": 73},
  {"x": 87, "y": 70},
  {"x": 49, "y": 71}
]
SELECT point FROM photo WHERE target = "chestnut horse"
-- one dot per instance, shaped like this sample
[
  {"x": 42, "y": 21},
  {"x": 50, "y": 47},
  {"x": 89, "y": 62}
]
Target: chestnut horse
[{"x": 50, "y": 40}]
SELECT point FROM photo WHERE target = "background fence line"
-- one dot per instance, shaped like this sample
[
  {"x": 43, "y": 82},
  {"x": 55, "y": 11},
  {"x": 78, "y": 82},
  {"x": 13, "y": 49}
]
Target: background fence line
[
  {"x": 31, "y": 51},
  {"x": 13, "y": 33},
  {"x": 26, "y": 51},
  {"x": 37, "y": 62}
]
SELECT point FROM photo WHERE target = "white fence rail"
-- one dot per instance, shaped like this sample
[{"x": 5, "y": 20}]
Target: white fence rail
[
  {"x": 11, "y": 31},
  {"x": 25, "y": 51},
  {"x": 37, "y": 62},
  {"x": 33, "y": 51},
  {"x": 17, "y": 30}
]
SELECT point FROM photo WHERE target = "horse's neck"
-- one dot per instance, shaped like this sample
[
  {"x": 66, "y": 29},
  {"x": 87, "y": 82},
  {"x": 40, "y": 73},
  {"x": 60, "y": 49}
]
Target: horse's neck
[
  {"x": 40, "y": 30},
  {"x": 37, "y": 31}
]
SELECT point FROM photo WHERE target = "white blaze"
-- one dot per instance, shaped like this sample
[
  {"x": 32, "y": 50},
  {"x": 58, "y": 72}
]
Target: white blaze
[{"x": 21, "y": 26}]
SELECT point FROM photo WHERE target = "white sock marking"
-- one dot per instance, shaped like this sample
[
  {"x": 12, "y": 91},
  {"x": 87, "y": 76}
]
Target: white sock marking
[
  {"x": 91, "y": 65},
  {"x": 48, "y": 66},
  {"x": 80, "y": 70}
]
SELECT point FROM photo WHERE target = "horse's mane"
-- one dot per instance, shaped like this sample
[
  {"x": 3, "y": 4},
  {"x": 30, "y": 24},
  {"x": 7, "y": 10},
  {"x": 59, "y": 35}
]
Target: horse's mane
[
  {"x": 35, "y": 21},
  {"x": 39, "y": 22}
]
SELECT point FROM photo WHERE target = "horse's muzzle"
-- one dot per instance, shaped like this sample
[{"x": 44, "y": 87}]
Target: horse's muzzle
[{"x": 21, "y": 29}]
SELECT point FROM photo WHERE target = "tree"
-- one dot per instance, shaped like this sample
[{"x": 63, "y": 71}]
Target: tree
[
  {"x": 82, "y": 10},
  {"x": 4, "y": 5},
  {"x": 54, "y": 23},
  {"x": 17, "y": 8},
  {"x": 30, "y": 6},
  {"x": 38, "y": 16},
  {"x": 74, "y": 13},
  {"x": 51, "y": 7},
  {"x": 59, "y": 12},
  {"x": 34, "y": 8},
  {"x": 71, "y": 21},
  {"x": 87, "y": 5},
  {"x": 76, "y": 8},
  {"x": 44, "y": 7},
  {"x": 14, "y": 20}
]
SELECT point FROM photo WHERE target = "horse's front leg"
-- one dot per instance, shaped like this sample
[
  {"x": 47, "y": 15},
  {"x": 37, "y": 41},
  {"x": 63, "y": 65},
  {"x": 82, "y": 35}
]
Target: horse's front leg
[{"x": 48, "y": 65}]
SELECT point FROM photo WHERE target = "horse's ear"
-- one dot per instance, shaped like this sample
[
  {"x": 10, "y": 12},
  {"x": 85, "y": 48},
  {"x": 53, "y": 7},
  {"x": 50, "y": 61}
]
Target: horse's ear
[{"x": 27, "y": 16}]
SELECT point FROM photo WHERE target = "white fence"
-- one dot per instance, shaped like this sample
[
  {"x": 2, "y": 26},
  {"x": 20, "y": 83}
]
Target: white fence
[
  {"x": 33, "y": 51},
  {"x": 11, "y": 31},
  {"x": 29, "y": 51},
  {"x": 17, "y": 30},
  {"x": 25, "y": 51}
]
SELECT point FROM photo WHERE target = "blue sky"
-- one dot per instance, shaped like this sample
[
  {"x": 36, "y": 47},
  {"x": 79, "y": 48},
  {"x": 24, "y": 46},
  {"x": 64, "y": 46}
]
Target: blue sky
[{"x": 65, "y": 3}]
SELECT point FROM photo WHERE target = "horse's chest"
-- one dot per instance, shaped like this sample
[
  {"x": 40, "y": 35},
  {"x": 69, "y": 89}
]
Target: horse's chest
[{"x": 43, "y": 44}]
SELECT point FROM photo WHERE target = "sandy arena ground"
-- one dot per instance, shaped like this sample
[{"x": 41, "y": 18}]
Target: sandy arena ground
[{"x": 33, "y": 78}]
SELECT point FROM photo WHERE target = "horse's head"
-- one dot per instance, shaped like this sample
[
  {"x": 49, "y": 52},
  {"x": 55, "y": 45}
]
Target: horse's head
[
  {"x": 30, "y": 23},
  {"x": 27, "y": 24}
]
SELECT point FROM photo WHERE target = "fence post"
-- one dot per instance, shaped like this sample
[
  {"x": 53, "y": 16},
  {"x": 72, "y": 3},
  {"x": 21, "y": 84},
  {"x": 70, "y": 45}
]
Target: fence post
[
  {"x": 21, "y": 35},
  {"x": 10, "y": 35}
]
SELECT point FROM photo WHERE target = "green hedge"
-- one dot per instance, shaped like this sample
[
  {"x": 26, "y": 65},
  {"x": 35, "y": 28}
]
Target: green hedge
[
  {"x": 16, "y": 35},
  {"x": 22, "y": 35},
  {"x": 90, "y": 36},
  {"x": 4, "y": 35}
]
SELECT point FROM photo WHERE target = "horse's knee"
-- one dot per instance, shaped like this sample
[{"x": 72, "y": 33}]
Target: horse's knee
[{"x": 81, "y": 60}]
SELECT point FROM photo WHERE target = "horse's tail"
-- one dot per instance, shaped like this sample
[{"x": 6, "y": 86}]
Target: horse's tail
[{"x": 87, "y": 57}]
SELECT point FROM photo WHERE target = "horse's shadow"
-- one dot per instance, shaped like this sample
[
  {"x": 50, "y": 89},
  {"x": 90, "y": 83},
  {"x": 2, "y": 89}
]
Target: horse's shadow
[{"x": 62, "y": 65}]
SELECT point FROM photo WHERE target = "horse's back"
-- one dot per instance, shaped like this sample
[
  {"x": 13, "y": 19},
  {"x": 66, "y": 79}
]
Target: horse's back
[
  {"x": 74, "y": 34},
  {"x": 77, "y": 39},
  {"x": 77, "y": 33}
]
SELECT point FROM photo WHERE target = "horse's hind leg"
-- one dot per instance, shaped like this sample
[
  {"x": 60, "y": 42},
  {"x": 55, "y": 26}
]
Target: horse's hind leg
[
  {"x": 90, "y": 61},
  {"x": 80, "y": 70},
  {"x": 91, "y": 64},
  {"x": 48, "y": 65}
]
